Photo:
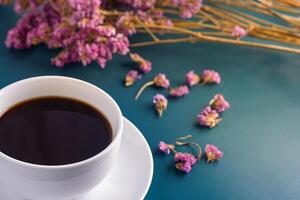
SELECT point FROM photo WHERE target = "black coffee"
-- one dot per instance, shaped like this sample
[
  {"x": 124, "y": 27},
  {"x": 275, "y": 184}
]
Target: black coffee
[{"x": 53, "y": 131}]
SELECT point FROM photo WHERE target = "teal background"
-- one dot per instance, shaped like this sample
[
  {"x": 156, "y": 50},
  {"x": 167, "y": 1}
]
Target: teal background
[{"x": 260, "y": 134}]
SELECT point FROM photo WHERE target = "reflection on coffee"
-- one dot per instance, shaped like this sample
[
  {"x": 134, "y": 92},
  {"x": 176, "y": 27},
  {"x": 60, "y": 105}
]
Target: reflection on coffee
[{"x": 53, "y": 131}]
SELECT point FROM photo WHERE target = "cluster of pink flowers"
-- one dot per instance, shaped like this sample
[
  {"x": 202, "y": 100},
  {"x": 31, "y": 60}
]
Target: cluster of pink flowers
[
  {"x": 84, "y": 31},
  {"x": 185, "y": 161},
  {"x": 207, "y": 77},
  {"x": 209, "y": 116},
  {"x": 191, "y": 79}
]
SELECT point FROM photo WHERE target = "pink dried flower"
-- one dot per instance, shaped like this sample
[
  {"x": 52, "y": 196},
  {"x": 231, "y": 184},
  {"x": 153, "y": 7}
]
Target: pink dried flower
[
  {"x": 192, "y": 79},
  {"x": 145, "y": 65},
  {"x": 238, "y": 32},
  {"x": 212, "y": 153},
  {"x": 160, "y": 103},
  {"x": 184, "y": 161},
  {"x": 219, "y": 103},
  {"x": 187, "y": 8},
  {"x": 211, "y": 76},
  {"x": 179, "y": 91},
  {"x": 160, "y": 80},
  {"x": 209, "y": 117},
  {"x": 131, "y": 77},
  {"x": 165, "y": 148}
]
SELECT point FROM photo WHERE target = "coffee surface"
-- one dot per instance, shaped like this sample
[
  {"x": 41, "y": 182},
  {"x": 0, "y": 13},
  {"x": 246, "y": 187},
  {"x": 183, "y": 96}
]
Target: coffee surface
[{"x": 53, "y": 131}]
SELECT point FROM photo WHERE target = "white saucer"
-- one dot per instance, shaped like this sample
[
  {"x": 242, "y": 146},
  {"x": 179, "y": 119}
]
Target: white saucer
[{"x": 131, "y": 176}]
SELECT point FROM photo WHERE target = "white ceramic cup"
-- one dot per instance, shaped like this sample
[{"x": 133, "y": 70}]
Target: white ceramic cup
[{"x": 60, "y": 182}]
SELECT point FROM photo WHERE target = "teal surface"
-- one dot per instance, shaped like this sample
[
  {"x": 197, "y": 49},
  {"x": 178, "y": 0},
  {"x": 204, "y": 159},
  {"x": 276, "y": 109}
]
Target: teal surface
[{"x": 260, "y": 134}]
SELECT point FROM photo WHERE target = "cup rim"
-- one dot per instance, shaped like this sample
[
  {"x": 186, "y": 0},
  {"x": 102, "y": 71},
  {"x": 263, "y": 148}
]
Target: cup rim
[{"x": 80, "y": 163}]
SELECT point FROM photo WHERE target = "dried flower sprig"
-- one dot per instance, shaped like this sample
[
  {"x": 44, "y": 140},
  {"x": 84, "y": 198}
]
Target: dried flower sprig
[
  {"x": 95, "y": 30},
  {"x": 183, "y": 161},
  {"x": 161, "y": 103},
  {"x": 160, "y": 80}
]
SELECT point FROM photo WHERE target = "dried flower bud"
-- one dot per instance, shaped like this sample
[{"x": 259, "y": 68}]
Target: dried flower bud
[
  {"x": 160, "y": 103},
  {"x": 212, "y": 153},
  {"x": 160, "y": 80},
  {"x": 209, "y": 117},
  {"x": 211, "y": 76},
  {"x": 219, "y": 103},
  {"x": 192, "y": 79},
  {"x": 131, "y": 77}
]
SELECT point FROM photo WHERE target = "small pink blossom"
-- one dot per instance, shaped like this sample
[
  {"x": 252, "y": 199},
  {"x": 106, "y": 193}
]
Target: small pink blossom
[
  {"x": 211, "y": 76},
  {"x": 184, "y": 161},
  {"x": 209, "y": 117},
  {"x": 160, "y": 80},
  {"x": 160, "y": 103},
  {"x": 179, "y": 91},
  {"x": 212, "y": 153},
  {"x": 131, "y": 77},
  {"x": 164, "y": 147},
  {"x": 238, "y": 32},
  {"x": 145, "y": 65},
  {"x": 219, "y": 103},
  {"x": 192, "y": 79}
]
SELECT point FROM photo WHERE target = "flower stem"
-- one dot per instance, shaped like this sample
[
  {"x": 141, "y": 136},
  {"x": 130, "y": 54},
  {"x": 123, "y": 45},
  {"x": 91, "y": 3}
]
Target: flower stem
[
  {"x": 143, "y": 88},
  {"x": 184, "y": 137}
]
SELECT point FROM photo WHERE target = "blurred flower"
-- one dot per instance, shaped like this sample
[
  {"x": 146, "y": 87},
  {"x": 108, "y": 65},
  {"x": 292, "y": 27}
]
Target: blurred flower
[
  {"x": 219, "y": 103},
  {"x": 187, "y": 8},
  {"x": 145, "y": 65},
  {"x": 211, "y": 76},
  {"x": 160, "y": 80},
  {"x": 209, "y": 117},
  {"x": 131, "y": 77},
  {"x": 212, "y": 153},
  {"x": 165, "y": 148},
  {"x": 160, "y": 103},
  {"x": 192, "y": 79},
  {"x": 179, "y": 91},
  {"x": 184, "y": 161},
  {"x": 238, "y": 32}
]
